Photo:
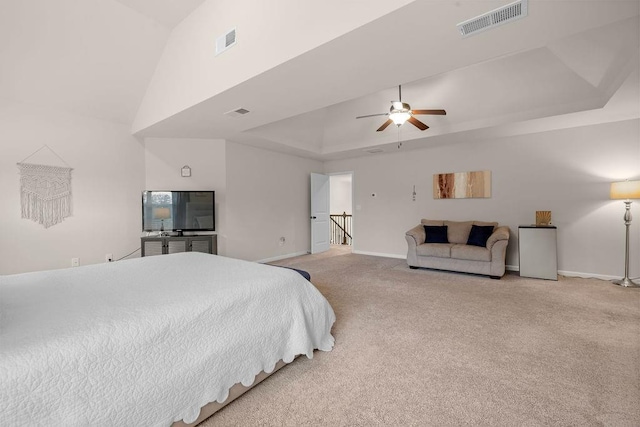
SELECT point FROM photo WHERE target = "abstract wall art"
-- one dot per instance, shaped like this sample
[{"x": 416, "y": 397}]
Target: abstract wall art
[{"x": 462, "y": 185}]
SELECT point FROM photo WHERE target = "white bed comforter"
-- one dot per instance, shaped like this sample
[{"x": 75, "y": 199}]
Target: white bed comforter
[{"x": 148, "y": 341}]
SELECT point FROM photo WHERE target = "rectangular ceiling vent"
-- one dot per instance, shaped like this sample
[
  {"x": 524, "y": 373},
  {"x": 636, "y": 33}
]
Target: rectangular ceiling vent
[
  {"x": 225, "y": 41},
  {"x": 502, "y": 15},
  {"x": 237, "y": 112}
]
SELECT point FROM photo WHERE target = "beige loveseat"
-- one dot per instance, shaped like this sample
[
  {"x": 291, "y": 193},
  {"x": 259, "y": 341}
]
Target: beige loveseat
[{"x": 457, "y": 255}]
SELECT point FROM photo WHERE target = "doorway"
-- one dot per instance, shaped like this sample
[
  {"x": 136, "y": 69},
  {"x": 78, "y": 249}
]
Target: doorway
[{"x": 341, "y": 210}]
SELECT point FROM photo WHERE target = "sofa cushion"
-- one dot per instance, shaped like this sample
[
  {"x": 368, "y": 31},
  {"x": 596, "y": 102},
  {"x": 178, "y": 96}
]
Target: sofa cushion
[
  {"x": 435, "y": 234},
  {"x": 458, "y": 231},
  {"x": 484, "y": 223},
  {"x": 479, "y": 235},
  {"x": 439, "y": 250},
  {"x": 431, "y": 222},
  {"x": 468, "y": 252}
]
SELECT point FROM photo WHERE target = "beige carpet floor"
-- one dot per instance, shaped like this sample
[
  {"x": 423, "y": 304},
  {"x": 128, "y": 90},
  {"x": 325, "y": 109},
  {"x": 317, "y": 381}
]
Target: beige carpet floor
[{"x": 430, "y": 348}]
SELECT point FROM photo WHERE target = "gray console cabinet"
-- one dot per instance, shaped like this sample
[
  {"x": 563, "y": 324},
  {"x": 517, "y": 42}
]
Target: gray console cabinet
[{"x": 170, "y": 245}]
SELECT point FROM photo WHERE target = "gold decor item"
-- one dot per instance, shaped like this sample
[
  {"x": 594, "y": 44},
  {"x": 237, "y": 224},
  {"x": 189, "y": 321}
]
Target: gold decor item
[
  {"x": 462, "y": 185},
  {"x": 543, "y": 218}
]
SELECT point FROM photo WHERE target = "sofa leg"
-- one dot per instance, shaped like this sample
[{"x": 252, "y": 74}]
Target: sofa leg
[
  {"x": 495, "y": 277},
  {"x": 413, "y": 267}
]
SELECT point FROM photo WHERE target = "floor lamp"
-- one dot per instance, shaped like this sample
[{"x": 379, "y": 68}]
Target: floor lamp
[{"x": 626, "y": 190}]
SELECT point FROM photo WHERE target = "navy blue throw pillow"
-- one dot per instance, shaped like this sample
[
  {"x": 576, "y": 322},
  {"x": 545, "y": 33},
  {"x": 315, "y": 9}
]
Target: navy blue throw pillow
[
  {"x": 435, "y": 234},
  {"x": 479, "y": 235}
]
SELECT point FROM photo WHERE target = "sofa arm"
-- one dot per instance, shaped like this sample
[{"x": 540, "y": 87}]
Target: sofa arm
[
  {"x": 498, "y": 258},
  {"x": 417, "y": 233},
  {"x": 500, "y": 233}
]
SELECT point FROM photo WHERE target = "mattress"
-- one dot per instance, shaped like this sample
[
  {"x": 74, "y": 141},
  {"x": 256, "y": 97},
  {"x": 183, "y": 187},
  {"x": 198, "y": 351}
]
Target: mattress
[{"x": 148, "y": 341}]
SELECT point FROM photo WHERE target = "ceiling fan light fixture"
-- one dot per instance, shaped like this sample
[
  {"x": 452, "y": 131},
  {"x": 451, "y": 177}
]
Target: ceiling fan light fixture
[
  {"x": 399, "y": 117},
  {"x": 399, "y": 105},
  {"x": 401, "y": 112}
]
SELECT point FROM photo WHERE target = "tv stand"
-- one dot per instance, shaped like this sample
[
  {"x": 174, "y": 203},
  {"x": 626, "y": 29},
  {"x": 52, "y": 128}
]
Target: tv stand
[{"x": 162, "y": 245}]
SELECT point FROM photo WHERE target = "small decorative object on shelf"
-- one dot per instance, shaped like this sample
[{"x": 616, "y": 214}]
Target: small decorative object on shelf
[
  {"x": 185, "y": 171},
  {"x": 543, "y": 218}
]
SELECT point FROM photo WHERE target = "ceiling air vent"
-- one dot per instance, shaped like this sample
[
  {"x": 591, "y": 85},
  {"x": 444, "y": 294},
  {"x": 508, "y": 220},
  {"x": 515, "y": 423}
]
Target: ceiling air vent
[
  {"x": 502, "y": 15},
  {"x": 237, "y": 112},
  {"x": 225, "y": 41}
]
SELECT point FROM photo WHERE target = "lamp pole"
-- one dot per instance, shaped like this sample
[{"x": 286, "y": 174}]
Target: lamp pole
[{"x": 626, "y": 281}]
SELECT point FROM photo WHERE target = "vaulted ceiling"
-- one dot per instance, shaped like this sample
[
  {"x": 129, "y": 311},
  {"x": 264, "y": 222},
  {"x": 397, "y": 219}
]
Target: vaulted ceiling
[
  {"x": 563, "y": 58},
  {"x": 166, "y": 12},
  {"x": 305, "y": 72},
  {"x": 573, "y": 74}
]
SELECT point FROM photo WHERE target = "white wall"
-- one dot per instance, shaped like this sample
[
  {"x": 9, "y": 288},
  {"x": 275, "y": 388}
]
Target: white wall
[
  {"x": 566, "y": 171},
  {"x": 164, "y": 159},
  {"x": 340, "y": 199},
  {"x": 261, "y": 195},
  {"x": 268, "y": 197},
  {"x": 107, "y": 177}
]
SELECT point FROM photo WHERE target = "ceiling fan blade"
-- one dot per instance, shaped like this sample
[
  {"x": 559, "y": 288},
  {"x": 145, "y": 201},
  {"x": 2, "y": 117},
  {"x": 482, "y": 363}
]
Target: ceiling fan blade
[
  {"x": 417, "y": 123},
  {"x": 384, "y": 125},
  {"x": 372, "y": 115},
  {"x": 434, "y": 112}
]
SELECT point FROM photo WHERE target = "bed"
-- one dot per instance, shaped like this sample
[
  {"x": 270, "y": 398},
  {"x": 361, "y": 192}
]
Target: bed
[{"x": 149, "y": 341}]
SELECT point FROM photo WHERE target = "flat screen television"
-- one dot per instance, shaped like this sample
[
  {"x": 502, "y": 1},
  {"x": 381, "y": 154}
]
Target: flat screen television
[{"x": 178, "y": 211}]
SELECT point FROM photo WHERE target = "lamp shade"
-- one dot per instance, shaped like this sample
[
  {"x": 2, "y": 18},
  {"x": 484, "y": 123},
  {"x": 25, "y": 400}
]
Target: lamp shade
[
  {"x": 625, "y": 190},
  {"x": 161, "y": 213}
]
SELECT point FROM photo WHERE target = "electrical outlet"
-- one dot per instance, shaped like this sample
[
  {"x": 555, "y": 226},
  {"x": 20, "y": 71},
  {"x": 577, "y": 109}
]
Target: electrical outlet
[
  {"x": 75, "y": 262},
  {"x": 108, "y": 257}
]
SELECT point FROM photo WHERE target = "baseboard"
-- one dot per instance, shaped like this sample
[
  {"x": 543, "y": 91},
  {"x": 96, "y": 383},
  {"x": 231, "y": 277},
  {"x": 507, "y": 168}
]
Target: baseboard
[
  {"x": 380, "y": 254},
  {"x": 587, "y": 275},
  {"x": 281, "y": 257},
  {"x": 507, "y": 267},
  {"x": 573, "y": 273},
  {"x": 510, "y": 267}
]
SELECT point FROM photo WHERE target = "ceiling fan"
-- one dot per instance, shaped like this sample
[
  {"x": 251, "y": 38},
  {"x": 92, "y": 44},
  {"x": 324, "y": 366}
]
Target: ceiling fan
[{"x": 401, "y": 112}]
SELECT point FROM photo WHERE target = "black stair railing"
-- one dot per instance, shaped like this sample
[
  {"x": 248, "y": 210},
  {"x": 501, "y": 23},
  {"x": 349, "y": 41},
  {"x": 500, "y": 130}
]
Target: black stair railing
[{"x": 341, "y": 229}]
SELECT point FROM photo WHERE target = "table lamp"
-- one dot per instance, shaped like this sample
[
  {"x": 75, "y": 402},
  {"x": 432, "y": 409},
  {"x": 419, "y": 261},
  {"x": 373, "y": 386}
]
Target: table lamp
[{"x": 161, "y": 214}]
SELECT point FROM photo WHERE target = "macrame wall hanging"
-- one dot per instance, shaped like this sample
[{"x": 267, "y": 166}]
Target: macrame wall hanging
[{"x": 45, "y": 191}]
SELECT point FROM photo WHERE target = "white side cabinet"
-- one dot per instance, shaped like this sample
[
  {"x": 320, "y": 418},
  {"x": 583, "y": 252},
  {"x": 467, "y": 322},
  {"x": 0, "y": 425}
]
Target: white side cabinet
[{"x": 538, "y": 252}]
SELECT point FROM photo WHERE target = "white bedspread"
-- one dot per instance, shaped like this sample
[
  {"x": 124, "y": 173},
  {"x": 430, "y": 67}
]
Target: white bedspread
[{"x": 148, "y": 341}]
